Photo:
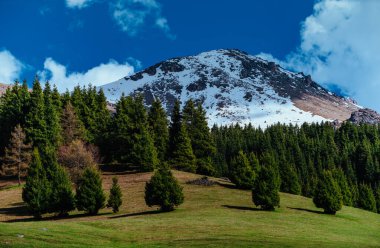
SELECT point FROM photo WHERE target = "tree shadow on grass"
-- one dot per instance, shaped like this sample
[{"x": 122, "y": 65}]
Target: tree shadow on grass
[
  {"x": 54, "y": 217},
  {"x": 308, "y": 210},
  {"x": 138, "y": 214},
  {"x": 17, "y": 209},
  {"x": 227, "y": 185},
  {"x": 242, "y": 208}
]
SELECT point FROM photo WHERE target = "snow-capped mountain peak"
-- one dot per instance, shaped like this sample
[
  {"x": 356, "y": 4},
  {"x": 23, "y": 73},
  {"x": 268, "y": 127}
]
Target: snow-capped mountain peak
[{"x": 235, "y": 87}]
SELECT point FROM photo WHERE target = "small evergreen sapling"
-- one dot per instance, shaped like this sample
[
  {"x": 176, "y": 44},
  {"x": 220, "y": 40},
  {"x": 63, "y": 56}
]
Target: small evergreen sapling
[
  {"x": 115, "y": 198},
  {"x": 163, "y": 190},
  {"x": 90, "y": 196}
]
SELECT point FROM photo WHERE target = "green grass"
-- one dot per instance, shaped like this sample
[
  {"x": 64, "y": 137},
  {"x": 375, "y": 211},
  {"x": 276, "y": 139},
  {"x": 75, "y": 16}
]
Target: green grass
[{"x": 213, "y": 216}]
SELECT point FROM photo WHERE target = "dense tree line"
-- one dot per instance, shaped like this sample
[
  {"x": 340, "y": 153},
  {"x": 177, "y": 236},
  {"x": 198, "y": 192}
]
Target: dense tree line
[{"x": 77, "y": 130}]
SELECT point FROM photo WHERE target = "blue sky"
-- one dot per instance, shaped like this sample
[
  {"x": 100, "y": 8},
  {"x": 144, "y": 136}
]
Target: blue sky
[{"x": 98, "y": 41}]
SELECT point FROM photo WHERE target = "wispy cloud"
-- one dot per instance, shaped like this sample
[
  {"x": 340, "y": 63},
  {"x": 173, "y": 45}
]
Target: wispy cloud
[
  {"x": 340, "y": 45},
  {"x": 11, "y": 67},
  {"x": 132, "y": 15},
  {"x": 78, "y": 3},
  {"x": 58, "y": 74}
]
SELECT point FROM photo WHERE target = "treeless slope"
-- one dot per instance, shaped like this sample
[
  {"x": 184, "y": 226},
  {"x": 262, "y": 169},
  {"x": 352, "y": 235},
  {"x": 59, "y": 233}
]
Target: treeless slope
[{"x": 214, "y": 216}]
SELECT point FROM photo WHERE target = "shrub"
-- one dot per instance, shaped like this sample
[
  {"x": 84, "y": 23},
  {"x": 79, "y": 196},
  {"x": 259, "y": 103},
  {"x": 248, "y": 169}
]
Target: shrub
[
  {"x": 90, "y": 196},
  {"x": 114, "y": 200},
  {"x": 163, "y": 190},
  {"x": 327, "y": 194}
]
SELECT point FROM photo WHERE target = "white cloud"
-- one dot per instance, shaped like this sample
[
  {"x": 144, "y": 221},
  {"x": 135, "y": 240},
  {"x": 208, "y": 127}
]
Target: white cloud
[
  {"x": 340, "y": 45},
  {"x": 57, "y": 74},
  {"x": 131, "y": 15},
  {"x": 10, "y": 68},
  {"x": 78, "y": 3}
]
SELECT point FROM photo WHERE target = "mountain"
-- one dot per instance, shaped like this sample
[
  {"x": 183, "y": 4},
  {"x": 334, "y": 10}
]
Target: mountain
[{"x": 235, "y": 87}]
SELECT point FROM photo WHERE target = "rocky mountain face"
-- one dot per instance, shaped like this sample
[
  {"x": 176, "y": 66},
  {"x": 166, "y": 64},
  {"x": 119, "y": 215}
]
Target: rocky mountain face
[
  {"x": 365, "y": 115},
  {"x": 235, "y": 87}
]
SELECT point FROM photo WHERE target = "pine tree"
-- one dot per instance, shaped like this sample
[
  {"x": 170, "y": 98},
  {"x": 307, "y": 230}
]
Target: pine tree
[
  {"x": 62, "y": 199},
  {"x": 180, "y": 151},
  {"x": 289, "y": 179},
  {"x": 35, "y": 119},
  {"x": 267, "y": 185},
  {"x": 366, "y": 199},
  {"x": 327, "y": 194},
  {"x": 158, "y": 124},
  {"x": 90, "y": 196},
  {"x": 53, "y": 127},
  {"x": 37, "y": 189},
  {"x": 163, "y": 190},
  {"x": 18, "y": 155},
  {"x": 201, "y": 142},
  {"x": 344, "y": 187},
  {"x": 115, "y": 198},
  {"x": 242, "y": 174}
]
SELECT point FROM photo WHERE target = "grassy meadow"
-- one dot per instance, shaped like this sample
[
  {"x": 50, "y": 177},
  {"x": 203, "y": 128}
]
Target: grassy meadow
[{"x": 212, "y": 216}]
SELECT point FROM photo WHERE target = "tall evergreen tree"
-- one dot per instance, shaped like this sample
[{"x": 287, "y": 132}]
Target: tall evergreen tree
[
  {"x": 158, "y": 124},
  {"x": 265, "y": 192},
  {"x": 201, "y": 142},
  {"x": 37, "y": 189},
  {"x": 327, "y": 194},
  {"x": 35, "y": 120},
  {"x": 72, "y": 127},
  {"x": 366, "y": 199},
  {"x": 53, "y": 128},
  {"x": 180, "y": 151},
  {"x": 344, "y": 187},
  {"x": 242, "y": 174}
]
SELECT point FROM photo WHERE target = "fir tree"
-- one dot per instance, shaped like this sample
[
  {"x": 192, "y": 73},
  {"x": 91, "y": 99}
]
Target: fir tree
[
  {"x": 327, "y": 194},
  {"x": 180, "y": 150},
  {"x": 163, "y": 190},
  {"x": 289, "y": 179},
  {"x": 201, "y": 142},
  {"x": 344, "y": 187},
  {"x": 17, "y": 155},
  {"x": 158, "y": 124},
  {"x": 115, "y": 198},
  {"x": 35, "y": 119},
  {"x": 241, "y": 172},
  {"x": 53, "y": 128},
  {"x": 62, "y": 199},
  {"x": 377, "y": 198},
  {"x": 366, "y": 199},
  {"x": 90, "y": 196},
  {"x": 37, "y": 189},
  {"x": 267, "y": 185}
]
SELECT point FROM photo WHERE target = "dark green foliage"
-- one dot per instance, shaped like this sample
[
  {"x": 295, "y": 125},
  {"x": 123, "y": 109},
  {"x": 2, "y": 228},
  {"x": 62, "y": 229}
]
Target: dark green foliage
[
  {"x": 62, "y": 199},
  {"x": 344, "y": 187},
  {"x": 366, "y": 199},
  {"x": 158, "y": 124},
  {"x": 37, "y": 189},
  {"x": 194, "y": 118},
  {"x": 180, "y": 151},
  {"x": 115, "y": 198},
  {"x": 163, "y": 190},
  {"x": 241, "y": 172},
  {"x": 131, "y": 139},
  {"x": 90, "y": 196},
  {"x": 327, "y": 194},
  {"x": 265, "y": 191},
  {"x": 289, "y": 179},
  {"x": 35, "y": 119},
  {"x": 377, "y": 198}
]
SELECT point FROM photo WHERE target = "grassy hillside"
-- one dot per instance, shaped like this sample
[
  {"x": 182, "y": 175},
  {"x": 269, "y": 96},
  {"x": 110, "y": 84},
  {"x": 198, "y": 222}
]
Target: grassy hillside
[{"x": 215, "y": 216}]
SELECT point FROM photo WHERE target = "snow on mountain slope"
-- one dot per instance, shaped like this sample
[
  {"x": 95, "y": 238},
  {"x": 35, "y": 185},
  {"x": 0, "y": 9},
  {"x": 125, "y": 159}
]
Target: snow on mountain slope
[{"x": 235, "y": 87}]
